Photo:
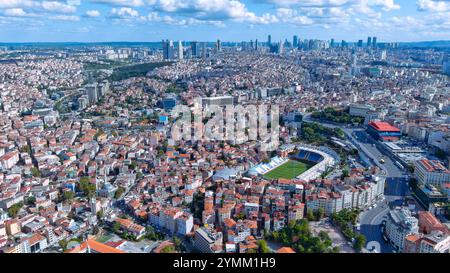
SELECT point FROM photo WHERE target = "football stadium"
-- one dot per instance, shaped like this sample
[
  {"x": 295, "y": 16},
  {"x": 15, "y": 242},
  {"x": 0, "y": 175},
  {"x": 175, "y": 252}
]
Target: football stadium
[{"x": 306, "y": 164}]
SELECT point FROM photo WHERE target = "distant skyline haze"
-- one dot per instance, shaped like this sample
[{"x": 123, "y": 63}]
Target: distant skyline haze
[{"x": 229, "y": 20}]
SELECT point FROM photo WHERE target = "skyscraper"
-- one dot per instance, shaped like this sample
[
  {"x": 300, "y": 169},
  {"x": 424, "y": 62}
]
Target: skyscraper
[
  {"x": 180, "y": 50},
  {"x": 256, "y": 45},
  {"x": 295, "y": 41},
  {"x": 92, "y": 93},
  {"x": 374, "y": 42},
  {"x": 269, "y": 40},
  {"x": 280, "y": 48},
  {"x": 332, "y": 43},
  {"x": 369, "y": 41},
  {"x": 446, "y": 65},
  {"x": 204, "y": 50},
  {"x": 360, "y": 43},
  {"x": 195, "y": 49},
  {"x": 383, "y": 55},
  {"x": 167, "y": 49},
  {"x": 218, "y": 46}
]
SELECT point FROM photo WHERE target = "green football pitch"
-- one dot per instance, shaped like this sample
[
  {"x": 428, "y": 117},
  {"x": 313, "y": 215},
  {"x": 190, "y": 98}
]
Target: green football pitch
[{"x": 288, "y": 170}]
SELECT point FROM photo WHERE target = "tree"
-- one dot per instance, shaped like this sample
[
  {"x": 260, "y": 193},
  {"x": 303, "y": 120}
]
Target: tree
[
  {"x": 71, "y": 215},
  {"x": 319, "y": 214},
  {"x": 63, "y": 244},
  {"x": 119, "y": 192},
  {"x": 275, "y": 235},
  {"x": 25, "y": 149},
  {"x": 133, "y": 165},
  {"x": 95, "y": 230},
  {"x": 360, "y": 242},
  {"x": 240, "y": 216},
  {"x": 98, "y": 133},
  {"x": 30, "y": 201},
  {"x": 14, "y": 209},
  {"x": 178, "y": 244},
  {"x": 262, "y": 246},
  {"x": 35, "y": 172},
  {"x": 100, "y": 214},
  {"x": 345, "y": 173},
  {"x": 305, "y": 241},
  {"x": 310, "y": 215},
  {"x": 87, "y": 187},
  {"x": 168, "y": 249},
  {"x": 116, "y": 227},
  {"x": 68, "y": 195}
]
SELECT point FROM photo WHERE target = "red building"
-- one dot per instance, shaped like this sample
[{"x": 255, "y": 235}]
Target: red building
[{"x": 383, "y": 131}]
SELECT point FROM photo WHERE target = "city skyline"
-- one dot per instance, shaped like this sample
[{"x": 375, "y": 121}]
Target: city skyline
[{"x": 229, "y": 20}]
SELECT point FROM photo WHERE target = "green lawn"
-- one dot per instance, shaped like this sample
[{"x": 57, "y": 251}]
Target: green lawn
[
  {"x": 288, "y": 170},
  {"x": 104, "y": 238}
]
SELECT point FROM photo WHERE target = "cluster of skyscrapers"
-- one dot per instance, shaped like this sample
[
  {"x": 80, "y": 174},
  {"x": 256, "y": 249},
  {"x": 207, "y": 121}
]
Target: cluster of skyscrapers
[
  {"x": 320, "y": 44},
  {"x": 92, "y": 93},
  {"x": 194, "y": 50}
]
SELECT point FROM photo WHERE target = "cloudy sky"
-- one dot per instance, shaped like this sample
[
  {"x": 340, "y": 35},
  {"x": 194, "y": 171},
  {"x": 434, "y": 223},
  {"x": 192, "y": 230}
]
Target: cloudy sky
[{"x": 229, "y": 20}]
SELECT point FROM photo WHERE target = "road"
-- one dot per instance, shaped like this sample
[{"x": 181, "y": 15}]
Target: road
[{"x": 396, "y": 182}]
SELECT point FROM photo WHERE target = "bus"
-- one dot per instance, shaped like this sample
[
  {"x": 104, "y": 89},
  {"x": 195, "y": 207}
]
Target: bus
[{"x": 399, "y": 165}]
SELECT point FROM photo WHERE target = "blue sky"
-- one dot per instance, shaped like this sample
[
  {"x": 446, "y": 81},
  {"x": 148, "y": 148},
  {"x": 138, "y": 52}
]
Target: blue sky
[{"x": 229, "y": 20}]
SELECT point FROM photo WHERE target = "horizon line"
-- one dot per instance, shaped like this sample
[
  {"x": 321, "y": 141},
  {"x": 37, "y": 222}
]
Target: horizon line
[{"x": 159, "y": 41}]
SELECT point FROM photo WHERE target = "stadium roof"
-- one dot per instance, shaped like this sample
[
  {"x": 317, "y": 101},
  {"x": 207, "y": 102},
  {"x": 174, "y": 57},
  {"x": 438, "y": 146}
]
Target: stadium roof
[{"x": 383, "y": 126}]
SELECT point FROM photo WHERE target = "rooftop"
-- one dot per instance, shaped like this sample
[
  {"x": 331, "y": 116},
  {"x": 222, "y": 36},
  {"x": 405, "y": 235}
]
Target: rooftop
[{"x": 383, "y": 126}]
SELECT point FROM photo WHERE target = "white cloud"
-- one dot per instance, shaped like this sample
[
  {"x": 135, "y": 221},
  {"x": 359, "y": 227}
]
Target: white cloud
[
  {"x": 15, "y": 12},
  {"x": 433, "y": 5},
  {"x": 17, "y": 3},
  {"x": 92, "y": 13},
  {"x": 74, "y": 2},
  {"x": 124, "y": 13},
  {"x": 169, "y": 20},
  {"x": 309, "y": 3},
  {"x": 63, "y": 17},
  {"x": 264, "y": 19},
  {"x": 58, "y": 7},
  {"x": 126, "y": 3},
  {"x": 386, "y": 5},
  {"x": 211, "y": 10}
]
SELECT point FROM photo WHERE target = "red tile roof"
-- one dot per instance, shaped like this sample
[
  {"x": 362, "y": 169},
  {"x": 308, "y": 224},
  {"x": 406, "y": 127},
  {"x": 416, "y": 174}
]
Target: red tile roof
[
  {"x": 383, "y": 126},
  {"x": 95, "y": 246},
  {"x": 285, "y": 250}
]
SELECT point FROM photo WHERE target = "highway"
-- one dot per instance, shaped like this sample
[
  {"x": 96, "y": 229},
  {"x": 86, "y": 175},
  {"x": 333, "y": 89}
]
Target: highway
[{"x": 396, "y": 182}]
